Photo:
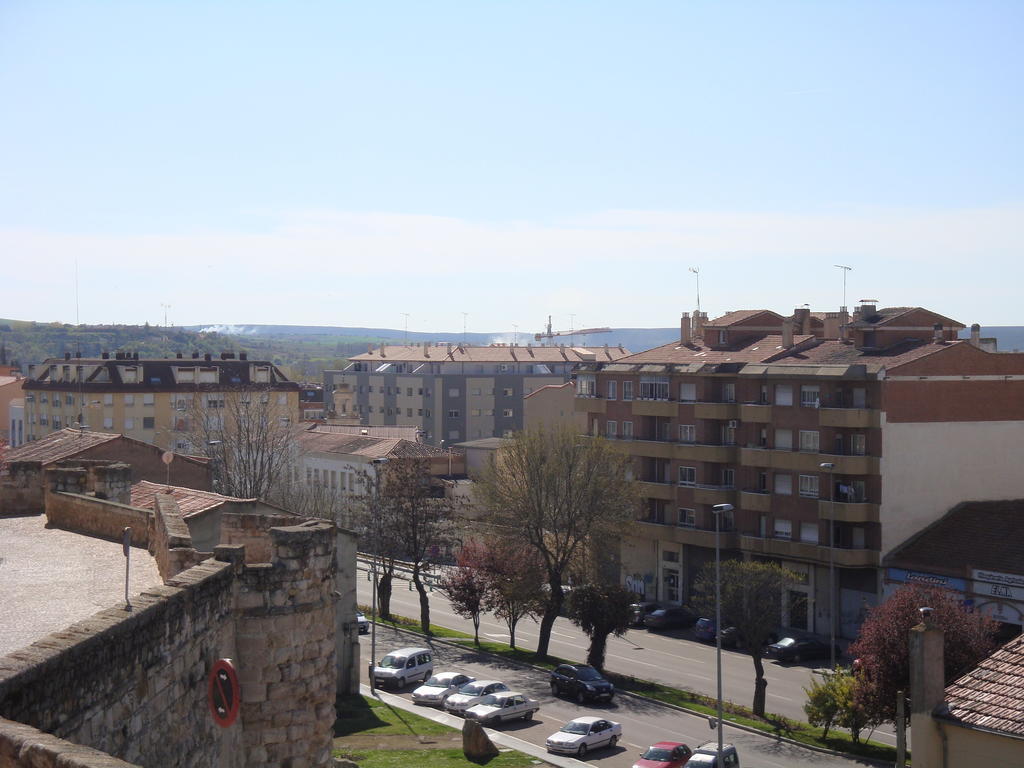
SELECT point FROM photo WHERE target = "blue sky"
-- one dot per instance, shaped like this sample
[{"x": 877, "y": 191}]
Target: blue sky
[{"x": 343, "y": 163}]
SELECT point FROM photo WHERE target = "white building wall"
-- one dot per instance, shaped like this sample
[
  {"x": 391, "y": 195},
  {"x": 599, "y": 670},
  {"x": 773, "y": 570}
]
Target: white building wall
[{"x": 928, "y": 468}]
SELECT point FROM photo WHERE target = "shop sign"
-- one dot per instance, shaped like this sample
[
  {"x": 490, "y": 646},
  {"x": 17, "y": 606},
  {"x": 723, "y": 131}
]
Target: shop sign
[
  {"x": 925, "y": 579},
  {"x": 998, "y": 591},
  {"x": 995, "y": 577}
]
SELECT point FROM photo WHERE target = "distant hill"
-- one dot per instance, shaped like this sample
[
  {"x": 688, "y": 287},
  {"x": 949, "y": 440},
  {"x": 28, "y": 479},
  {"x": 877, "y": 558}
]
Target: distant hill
[{"x": 1009, "y": 338}]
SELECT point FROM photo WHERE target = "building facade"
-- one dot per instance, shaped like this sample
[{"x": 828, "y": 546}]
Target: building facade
[
  {"x": 824, "y": 433},
  {"x": 453, "y": 392},
  {"x": 158, "y": 401}
]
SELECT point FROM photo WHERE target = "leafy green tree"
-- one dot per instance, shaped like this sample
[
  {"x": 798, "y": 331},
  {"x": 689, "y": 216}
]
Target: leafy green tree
[
  {"x": 600, "y": 610},
  {"x": 558, "y": 492},
  {"x": 833, "y": 702},
  {"x": 752, "y": 599}
]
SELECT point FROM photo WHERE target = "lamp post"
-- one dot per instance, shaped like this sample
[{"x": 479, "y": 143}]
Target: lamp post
[
  {"x": 830, "y": 468},
  {"x": 375, "y": 513},
  {"x": 719, "y": 509}
]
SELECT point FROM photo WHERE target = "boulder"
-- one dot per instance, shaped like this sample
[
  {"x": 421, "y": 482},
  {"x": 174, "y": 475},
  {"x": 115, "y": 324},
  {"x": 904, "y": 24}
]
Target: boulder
[{"x": 476, "y": 744}]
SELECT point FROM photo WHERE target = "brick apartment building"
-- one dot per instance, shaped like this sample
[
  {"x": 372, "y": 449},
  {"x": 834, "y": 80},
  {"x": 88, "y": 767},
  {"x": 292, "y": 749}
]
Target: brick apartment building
[
  {"x": 453, "y": 392},
  {"x": 152, "y": 400},
  {"x": 752, "y": 408}
]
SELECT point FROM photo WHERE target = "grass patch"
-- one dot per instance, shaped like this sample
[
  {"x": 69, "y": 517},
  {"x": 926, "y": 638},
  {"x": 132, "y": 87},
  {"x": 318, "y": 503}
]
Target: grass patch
[
  {"x": 776, "y": 725},
  {"x": 363, "y": 714},
  {"x": 434, "y": 758}
]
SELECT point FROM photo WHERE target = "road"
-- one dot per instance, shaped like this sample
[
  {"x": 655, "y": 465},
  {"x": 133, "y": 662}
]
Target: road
[
  {"x": 670, "y": 657},
  {"x": 643, "y": 722}
]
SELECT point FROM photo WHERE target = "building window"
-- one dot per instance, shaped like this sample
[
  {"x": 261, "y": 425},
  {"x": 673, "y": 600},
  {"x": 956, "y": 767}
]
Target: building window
[
  {"x": 129, "y": 424},
  {"x": 762, "y": 482},
  {"x": 729, "y": 433},
  {"x": 453, "y": 434},
  {"x": 507, "y": 391},
  {"x": 858, "y": 445},
  {"x": 586, "y": 385},
  {"x": 506, "y": 413},
  {"x": 627, "y": 390},
  {"x": 670, "y": 556},
  {"x": 687, "y": 433},
  {"x": 129, "y": 399},
  {"x": 408, "y": 391},
  {"x": 612, "y": 387},
  {"x": 108, "y": 423},
  {"x": 148, "y": 422},
  {"x": 809, "y": 533},
  {"x": 809, "y": 441},
  {"x": 729, "y": 478},
  {"x": 809, "y": 486},
  {"x": 453, "y": 392},
  {"x": 44, "y": 419},
  {"x": 408, "y": 412},
  {"x": 729, "y": 392},
  {"x": 687, "y": 518},
  {"x": 108, "y": 399},
  {"x": 687, "y": 475},
  {"x": 654, "y": 388},
  {"x": 784, "y": 439},
  {"x": 784, "y": 485},
  {"x": 611, "y": 428},
  {"x": 810, "y": 396},
  {"x": 723, "y": 337},
  {"x": 688, "y": 392},
  {"x": 453, "y": 414},
  {"x": 69, "y": 399},
  {"x": 627, "y": 430},
  {"x": 783, "y": 394},
  {"x": 783, "y": 529}
]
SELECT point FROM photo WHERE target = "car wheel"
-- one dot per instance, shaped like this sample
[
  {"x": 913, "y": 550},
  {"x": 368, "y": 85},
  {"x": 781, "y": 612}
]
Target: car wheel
[
  {"x": 580, "y": 698},
  {"x": 401, "y": 682},
  {"x": 613, "y": 742},
  {"x": 797, "y": 658},
  {"x": 582, "y": 751},
  {"x": 554, "y": 688},
  {"x": 529, "y": 715}
]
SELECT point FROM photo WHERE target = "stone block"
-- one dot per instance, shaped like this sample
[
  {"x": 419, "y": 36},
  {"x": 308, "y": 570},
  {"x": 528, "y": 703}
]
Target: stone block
[{"x": 476, "y": 744}]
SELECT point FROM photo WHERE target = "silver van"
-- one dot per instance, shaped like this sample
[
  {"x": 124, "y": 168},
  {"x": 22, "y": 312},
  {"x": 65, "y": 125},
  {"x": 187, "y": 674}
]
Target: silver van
[{"x": 404, "y": 666}]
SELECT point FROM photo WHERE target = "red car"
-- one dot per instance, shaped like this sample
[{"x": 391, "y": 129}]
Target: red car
[{"x": 664, "y": 754}]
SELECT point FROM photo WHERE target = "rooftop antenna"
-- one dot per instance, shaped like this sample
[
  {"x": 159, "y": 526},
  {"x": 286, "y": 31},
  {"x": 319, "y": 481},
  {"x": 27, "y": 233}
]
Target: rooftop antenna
[
  {"x": 406, "y": 316},
  {"x": 572, "y": 334},
  {"x": 464, "y": 316},
  {"x": 696, "y": 271},
  {"x": 845, "y": 269},
  {"x": 166, "y": 307},
  {"x": 515, "y": 334}
]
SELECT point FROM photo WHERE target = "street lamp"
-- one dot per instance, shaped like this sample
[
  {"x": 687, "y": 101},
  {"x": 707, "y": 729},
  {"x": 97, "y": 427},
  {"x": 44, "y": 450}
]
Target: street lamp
[
  {"x": 375, "y": 516},
  {"x": 830, "y": 467},
  {"x": 718, "y": 510}
]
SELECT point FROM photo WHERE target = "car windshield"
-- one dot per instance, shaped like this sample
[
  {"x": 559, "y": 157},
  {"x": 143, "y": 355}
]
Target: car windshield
[
  {"x": 392, "y": 662},
  {"x": 438, "y": 682},
  {"x": 575, "y": 727},
  {"x": 657, "y": 753},
  {"x": 489, "y": 699},
  {"x": 587, "y": 673},
  {"x": 787, "y": 641},
  {"x": 473, "y": 689}
]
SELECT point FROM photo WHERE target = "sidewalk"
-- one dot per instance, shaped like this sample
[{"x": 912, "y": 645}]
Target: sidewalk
[{"x": 497, "y": 737}]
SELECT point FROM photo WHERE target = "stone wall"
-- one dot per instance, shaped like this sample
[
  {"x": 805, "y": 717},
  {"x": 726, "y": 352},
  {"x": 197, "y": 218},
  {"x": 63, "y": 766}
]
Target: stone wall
[
  {"x": 96, "y": 517},
  {"x": 147, "y": 464},
  {"x": 169, "y": 540},
  {"x": 21, "y": 488},
  {"x": 248, "y": 524}
]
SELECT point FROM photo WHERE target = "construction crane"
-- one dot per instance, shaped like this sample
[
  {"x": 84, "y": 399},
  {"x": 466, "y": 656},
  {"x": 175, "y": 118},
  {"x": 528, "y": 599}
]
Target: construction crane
[{"x": 549, "y": 334}]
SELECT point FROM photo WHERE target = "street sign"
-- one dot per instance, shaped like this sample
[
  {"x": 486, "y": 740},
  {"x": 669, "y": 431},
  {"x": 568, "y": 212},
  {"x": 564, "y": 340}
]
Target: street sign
[{"x": 224, "y": 693}]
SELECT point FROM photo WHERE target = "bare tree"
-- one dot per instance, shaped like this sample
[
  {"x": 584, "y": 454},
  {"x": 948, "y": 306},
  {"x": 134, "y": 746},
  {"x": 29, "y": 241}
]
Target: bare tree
[
  {"x": 516, "y": 582},
  {"x": 560, "y": 493}
]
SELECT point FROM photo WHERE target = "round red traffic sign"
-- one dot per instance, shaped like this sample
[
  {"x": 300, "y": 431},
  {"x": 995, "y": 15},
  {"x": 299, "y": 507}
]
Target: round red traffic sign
[{"x": 224, "y": 693}]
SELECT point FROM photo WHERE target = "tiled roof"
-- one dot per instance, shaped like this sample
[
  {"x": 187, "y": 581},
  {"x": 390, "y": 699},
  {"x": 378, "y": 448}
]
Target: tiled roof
[
  {"x": 5, "y": 380},
  {"x": 190, "y": 501},
  {"x": 370, "y": 447},
  {"x": 832, "y": 352},
  {"x": 63, "y": 444},
  {"x": 674, "y": 353},
  {"x": 739, "y": 315},
  {"x": 974, "y": 534},
  {"x": 406, "y": 432},
  {"x": 551, "y": 386},
  {"x": 991, "y": 695},
  {"x": 886, "y": 315},
  {"x": 491, "y": 354}
]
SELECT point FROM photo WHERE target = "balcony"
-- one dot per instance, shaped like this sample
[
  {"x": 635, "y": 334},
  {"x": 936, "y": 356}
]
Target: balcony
[
  {"x": 590, "y": 404},
  {"x": 655, "y": 490},
  {"x": 808, "y": 462},
  {"x": 663, "y": 408},
  {"x": 723, "y": 454},
  {"x": 849, "y": 418},
  {"x": 758, "y": 412},
  {"x": 716, "y": 410},
  {"x": 858, "y": 512},
  {"x": 855, "y": 558},
  {"x": 756, "y": 501},
  {"x": 801, "y": 550},
  {"x": 714, "y": 494},
  {"x": 655, "y": 449},
  {"x": 852, "y": 465},
  {"x": 696, "y": 537}
]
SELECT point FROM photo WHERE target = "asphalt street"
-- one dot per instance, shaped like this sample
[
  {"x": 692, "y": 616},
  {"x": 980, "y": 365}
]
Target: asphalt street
[
  {"x": 643, "y": 722},
  {"x": 671, "y": 657}
]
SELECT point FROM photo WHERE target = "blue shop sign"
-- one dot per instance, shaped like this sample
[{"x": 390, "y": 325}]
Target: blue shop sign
[{"x": 925, "y": 579}]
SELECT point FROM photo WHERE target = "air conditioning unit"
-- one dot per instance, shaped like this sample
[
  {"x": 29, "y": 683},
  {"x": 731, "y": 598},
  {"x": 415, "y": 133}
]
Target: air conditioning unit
[{"x": 733, "y": 423}]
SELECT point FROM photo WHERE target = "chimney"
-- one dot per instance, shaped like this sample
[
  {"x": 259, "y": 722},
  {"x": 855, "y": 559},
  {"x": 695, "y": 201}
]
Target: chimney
[
  {"x": 975, "y": 335},
  {"x": 868, "y": 308},
  {"x": 67, "y": 355},
  {"x": 369, "y": 349},
  {"x": 937, "y": 333},
  {"x": 105, "y": 356},
  {"x": 844, "y": 321},
  {"x": 831, "y": 330},
  {"x": 927, "y": 688},
  {"x": 178, "y": 355},
  {"x": 802, "y": 320},
  {"x": 243, "y": 355},
  {"x": 195, "y": 355},
  {"x": 426, "y": 349},
  {"x": 685, "y": 329},
  {"x": 207, "y": 357},
  {"x": 787, "y": 332},
  {"x": 135, "y": 355},
  {"x": 699, "y": 318}
]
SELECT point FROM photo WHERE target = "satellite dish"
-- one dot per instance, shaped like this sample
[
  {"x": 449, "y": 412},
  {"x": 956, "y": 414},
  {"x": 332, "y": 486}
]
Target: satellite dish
[{"x": 167, "y": 457}]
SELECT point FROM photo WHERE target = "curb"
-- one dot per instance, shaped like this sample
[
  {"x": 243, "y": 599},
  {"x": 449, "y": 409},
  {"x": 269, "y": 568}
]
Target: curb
[
  {"x": 498, "y": 737},
  {"x": 676, "y": 707}
]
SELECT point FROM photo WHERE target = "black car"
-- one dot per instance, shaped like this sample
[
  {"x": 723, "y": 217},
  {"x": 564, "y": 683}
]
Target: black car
[
  {"x": 799, "y": 649},
  {"x": 641, "y": 611},
  {"x": 670, "y": 618},
  {"x": 581, "y": 682}
]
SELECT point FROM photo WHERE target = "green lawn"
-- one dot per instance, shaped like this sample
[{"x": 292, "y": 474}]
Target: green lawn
[
  {"x": 363, "y": 714},
  {"x": 435, "y": 758}
]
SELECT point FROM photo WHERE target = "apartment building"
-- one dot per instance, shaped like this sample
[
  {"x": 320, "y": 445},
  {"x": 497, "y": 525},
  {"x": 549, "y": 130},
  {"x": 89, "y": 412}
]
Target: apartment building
[
  {"x": 453, "y": 392},
  {"x": 153, "y": 400},
  {"x": 834, "y": 438}
]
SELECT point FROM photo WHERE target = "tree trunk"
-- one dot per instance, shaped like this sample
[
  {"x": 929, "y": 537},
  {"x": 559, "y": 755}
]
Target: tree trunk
[
  {"x": 424, "y": 600},
  {"x": 547, "y": 621},
  {"x": 476, "y": 628},
  {"x": 512, "y": 633},
  {"x": 760, "y": 684},
  {"x": 384, "y": 596},
  {"x": 598, "y": 644}
]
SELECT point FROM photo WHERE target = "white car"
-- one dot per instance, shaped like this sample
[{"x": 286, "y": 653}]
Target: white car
[
  {"x": 579, "y": 736},
  {"x": 364, "y": 624},
  {"x": 501, "y": 707},
  {"x": 440, "y": 687},
  {"x": 471, "y": 693}
]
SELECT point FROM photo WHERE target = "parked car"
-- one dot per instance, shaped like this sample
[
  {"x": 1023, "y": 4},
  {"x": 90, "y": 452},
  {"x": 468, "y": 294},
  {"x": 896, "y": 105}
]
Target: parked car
[
  {"x": 581, "y": 682},
  {"x": 440, "y": 687},
  {"x": 670, "y": 618},
  {"x": 501, "y": 707},
  {"x": 641, "y": 610},
  {"x": 706, "y": 756},
  {"x": 471, "y": 693},
  {"x": 664, "y": 754},
  {"x": 579, "y": 736},
  {"x": 401, "y": 667},
  {"x": 797, "y": 649},
  {"x": 364, "y": 624}
]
